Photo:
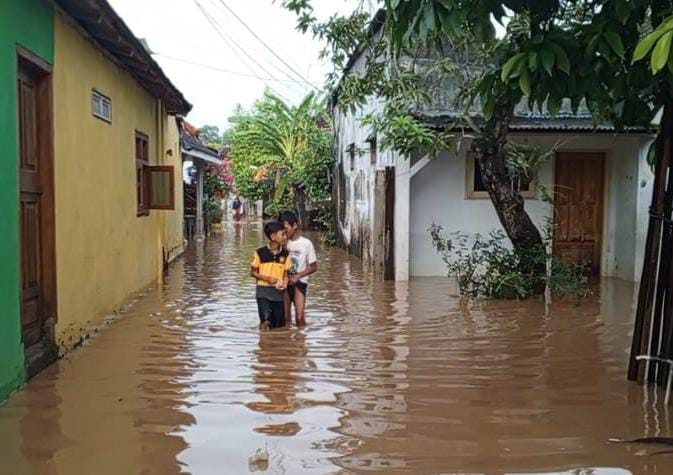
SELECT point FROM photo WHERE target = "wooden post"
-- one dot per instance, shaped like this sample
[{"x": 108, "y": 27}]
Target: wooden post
[
  {"x": 200, "y": 175},
  {"x": 645, "y": 316}
]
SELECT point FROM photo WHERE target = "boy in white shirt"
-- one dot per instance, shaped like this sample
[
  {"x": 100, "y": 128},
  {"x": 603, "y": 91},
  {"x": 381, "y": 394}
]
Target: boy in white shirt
[{"x": 304, "y": 263}]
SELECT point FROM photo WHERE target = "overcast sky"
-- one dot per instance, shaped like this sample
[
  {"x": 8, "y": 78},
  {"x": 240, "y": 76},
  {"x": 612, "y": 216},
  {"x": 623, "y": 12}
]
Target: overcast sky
[{"x": 179, "y": 29}]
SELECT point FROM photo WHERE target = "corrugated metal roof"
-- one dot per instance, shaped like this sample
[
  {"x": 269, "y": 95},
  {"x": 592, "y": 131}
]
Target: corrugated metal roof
[{"x": 539, "y": 122}]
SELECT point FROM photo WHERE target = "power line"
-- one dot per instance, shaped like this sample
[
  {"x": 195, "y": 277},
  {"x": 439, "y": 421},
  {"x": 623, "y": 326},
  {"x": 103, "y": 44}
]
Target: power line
[
  {"x": 222, "y": 35},
  {"x": 222, "y": 70},
  {"x": 252, "y": 32},
  {"x": 241, "y": 48}
]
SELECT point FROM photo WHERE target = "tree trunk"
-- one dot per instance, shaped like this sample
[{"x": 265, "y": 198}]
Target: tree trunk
[
  {"x": 509, "y": 204},
  {"x": 300, "y": 198}
]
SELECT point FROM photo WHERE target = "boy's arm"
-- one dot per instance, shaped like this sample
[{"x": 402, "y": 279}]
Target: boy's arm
[
  {"x": 312, "y": 264},
  {"x": 254, "y": 271}
]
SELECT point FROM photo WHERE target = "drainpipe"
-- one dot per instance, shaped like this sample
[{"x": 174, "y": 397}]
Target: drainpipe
[{"x": 161, "y": 218}]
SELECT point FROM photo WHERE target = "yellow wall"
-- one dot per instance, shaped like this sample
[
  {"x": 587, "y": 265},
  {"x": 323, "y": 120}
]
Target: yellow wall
[
  {"x": 104, "y": 251},
  {"x": 174, "y": 221}
]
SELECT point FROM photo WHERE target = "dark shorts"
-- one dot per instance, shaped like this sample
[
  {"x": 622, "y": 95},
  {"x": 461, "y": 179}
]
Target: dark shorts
[
  {"x": 272, "y": 312},
  {"x": 300, "y": 286}
]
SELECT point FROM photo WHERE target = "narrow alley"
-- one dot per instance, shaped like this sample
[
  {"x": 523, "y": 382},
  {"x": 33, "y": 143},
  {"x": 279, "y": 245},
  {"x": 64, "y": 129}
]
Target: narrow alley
[{"x": 387, "y": 378}]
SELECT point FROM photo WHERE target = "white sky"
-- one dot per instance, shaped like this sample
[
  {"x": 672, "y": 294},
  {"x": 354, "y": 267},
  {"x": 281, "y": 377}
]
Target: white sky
[{"x": 178, "y": 28}]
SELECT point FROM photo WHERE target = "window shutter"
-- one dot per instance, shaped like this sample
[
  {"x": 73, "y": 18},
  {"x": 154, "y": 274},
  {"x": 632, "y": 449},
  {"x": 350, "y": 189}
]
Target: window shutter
[{"x": 161, "y": 187}]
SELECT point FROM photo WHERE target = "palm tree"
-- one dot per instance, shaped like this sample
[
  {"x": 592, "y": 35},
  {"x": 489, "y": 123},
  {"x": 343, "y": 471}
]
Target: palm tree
[{"x": 282, "y": 131}]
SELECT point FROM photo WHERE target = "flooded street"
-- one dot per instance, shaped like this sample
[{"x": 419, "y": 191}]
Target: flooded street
[{"x": 387, "y": 378}]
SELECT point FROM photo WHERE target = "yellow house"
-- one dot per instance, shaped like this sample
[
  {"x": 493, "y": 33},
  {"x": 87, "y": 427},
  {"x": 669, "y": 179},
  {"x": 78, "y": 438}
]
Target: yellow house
[{"x": 117, "y": 161}]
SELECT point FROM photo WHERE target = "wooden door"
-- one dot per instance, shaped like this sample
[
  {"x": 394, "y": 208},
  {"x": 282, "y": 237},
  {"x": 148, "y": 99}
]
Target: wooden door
[
  {"x": 38, "y": 279},
  {"x": 578, "y": 205}
]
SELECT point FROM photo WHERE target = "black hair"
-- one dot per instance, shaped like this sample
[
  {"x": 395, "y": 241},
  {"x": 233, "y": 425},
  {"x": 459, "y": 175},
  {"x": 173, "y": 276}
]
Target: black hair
[
  {"x": 288, "y": 217},
  {"x": 272, "y": 228}
]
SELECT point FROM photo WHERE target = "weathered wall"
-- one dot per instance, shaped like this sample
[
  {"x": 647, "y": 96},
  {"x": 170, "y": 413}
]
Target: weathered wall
[
  {"x": 105, "y": 252},
  {"x": 359, "y": 192},
  {"x": 174, "y": 221},
  {"x": 28, "y": 23},
  {"x": 438, "y": 195}
]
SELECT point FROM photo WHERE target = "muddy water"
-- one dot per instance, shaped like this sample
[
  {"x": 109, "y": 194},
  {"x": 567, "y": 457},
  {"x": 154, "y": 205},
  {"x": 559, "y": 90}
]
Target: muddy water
[{"x": 386, "y": 379}]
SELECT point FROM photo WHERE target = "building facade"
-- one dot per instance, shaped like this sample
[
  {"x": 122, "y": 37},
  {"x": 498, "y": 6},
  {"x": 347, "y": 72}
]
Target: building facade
[
  {"x": 90, "y": 162},
  {"x": 26, "y": 28},
  {"x": 385, "y": 203}
]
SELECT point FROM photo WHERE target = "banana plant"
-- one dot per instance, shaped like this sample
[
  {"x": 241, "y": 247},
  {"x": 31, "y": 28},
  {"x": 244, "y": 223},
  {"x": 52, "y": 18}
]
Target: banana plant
[{"x": 282, "y": 131}]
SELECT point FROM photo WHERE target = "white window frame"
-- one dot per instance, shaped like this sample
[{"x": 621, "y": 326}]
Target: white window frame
[
  {"x": 472, "y": 194},
  {"x": 98, "y": 102}
]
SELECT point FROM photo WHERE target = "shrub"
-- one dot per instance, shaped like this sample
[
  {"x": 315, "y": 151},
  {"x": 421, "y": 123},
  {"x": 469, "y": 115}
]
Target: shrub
[{"x": 486, "y": 267}]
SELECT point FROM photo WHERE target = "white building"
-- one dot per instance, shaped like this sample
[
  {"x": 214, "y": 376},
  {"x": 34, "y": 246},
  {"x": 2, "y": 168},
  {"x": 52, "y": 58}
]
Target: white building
[{"x": 385, "y": 203}]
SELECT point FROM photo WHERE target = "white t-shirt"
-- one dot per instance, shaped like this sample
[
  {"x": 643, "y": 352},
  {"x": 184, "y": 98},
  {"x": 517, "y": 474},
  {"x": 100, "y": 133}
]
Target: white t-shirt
[{"x": 302, "y": 254}]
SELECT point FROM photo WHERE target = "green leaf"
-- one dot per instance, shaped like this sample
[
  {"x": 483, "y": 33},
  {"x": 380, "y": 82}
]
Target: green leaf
[
  {"x": 509, "y": 66},
  {"x": 548, "y": 60},
  {"x": 532, "y": 61},
  {"x": 615, "y": 42},
  {"x": 489, "y": 106},
  {"x": 647, "y": 43},
  {"x": 661, "y": 52},
  {"x": 524, "y": 81},
  {"x": 428, "y": 23},
  {"x": 562, "y": 60},
  {"x": 554, "y": 104},
  {"x": 592, "y": 46}
]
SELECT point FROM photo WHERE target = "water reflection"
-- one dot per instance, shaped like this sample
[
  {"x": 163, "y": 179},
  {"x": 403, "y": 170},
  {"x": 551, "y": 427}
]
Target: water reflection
[{"x": 387, "y": 378}]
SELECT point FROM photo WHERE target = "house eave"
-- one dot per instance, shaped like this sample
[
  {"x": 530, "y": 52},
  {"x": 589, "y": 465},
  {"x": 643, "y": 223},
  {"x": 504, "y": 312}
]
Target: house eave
[
  {"x": 98, "y": 20},
  {"x": 198, "y": 155}
]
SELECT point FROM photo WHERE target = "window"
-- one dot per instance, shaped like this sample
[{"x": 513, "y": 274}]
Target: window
[
  {"x": 101, "y": 106},
  {"x": 476, "y": 189},
  {"x": 161, "y": 187},
  {"x": 155, "y": 185},
  {"x": 142, "y": 164},
  {"x": 373, "y": 151},
  {"x": 351, "y": 155}
]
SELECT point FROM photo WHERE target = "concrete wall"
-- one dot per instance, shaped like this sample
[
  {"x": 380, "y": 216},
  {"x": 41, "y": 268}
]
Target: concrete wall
[
  {"x": 26, "y": 23},
  {"x": 360, "y": 220},
  {"x": 438, "y": 195},
  {"x": 105, "y": 252},
  {"x": 174, "y": 220}
]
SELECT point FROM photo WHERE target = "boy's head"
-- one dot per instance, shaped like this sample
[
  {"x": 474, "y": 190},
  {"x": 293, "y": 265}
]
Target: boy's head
[
  {"x": 275, "y": 232},
  {"x": 289, "y": 220}
]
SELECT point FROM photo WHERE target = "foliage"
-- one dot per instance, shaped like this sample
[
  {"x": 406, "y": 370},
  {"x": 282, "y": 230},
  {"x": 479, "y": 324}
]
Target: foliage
[
  {"x": 218, "y": 180},
  {"x": 553, "y": 56},
  {"x": 211, "y": 136},
  {"x": 213, "y": 208},
  {"x": 487, "y": 267},
  {"x": 279, "y": 151}
]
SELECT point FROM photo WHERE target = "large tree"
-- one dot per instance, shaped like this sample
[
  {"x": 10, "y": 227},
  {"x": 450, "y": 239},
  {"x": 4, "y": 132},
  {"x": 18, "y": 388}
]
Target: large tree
[{"x": 547, "y": 52}]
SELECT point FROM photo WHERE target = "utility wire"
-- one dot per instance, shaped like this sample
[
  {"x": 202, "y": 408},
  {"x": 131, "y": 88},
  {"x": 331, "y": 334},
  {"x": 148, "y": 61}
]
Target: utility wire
[
  {"x": 252, "y": 32},
  {"x": 222, "y": 35},
  {"x": 222, "y": 70},
  {"x": 253, "y": 56}
]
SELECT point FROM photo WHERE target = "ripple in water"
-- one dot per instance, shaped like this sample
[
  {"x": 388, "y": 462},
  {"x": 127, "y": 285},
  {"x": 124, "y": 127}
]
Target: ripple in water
[{"x": 387, "y": 378}]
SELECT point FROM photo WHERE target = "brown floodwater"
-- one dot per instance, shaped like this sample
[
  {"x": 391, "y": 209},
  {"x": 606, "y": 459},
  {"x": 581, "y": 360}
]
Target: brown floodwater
[{"x": 387, "y": 378}]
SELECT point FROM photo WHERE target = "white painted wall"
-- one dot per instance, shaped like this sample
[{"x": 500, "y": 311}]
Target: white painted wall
[
  {"x": 358, "y": 223},
  {"x": 438, "y": 195}
]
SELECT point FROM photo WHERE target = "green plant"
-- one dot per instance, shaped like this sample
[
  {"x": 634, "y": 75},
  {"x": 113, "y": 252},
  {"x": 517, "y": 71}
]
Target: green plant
[
  {"x": 213, "y": 210},
  {"x": 485, "y": 266},
  {"x": 548, "y": 55},
  {"x": 282, "y": 153}
]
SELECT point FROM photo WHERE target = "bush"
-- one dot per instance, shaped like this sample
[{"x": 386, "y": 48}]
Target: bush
[
  {"x": 214, "y": 210},
  {"x": 486, "y": 267}
]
